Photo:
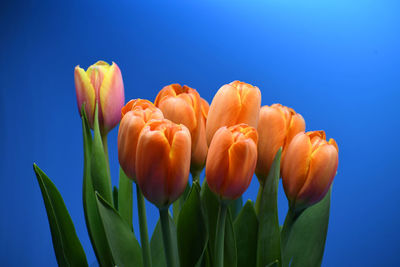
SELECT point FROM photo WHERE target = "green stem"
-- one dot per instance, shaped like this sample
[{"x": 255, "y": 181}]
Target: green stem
[
  {"x": 290, "y": 219},
  {"x": 195, "y": 176},
  {"x": 144, "y": 236},
  {"x": 105, "y": 147},
  {"x": 259, "y": 197},
  {"x": 167, "y": 238},
  {"x": 219, "y": 235}
]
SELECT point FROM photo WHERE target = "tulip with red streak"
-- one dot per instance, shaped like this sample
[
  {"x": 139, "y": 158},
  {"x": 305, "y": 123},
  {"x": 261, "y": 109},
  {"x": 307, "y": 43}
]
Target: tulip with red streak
[
  {"x": 163, "y": 161},
  {"x": 308, "y": 169},
  {"x": 277, "y": 126},
  {"x": 135, "y": 114},
  {"x": 101, "y": 84},
  {"x": 234, "y": 103},
  {"x": 231, "y": 160},
  {"x": 182, "y": 104}
]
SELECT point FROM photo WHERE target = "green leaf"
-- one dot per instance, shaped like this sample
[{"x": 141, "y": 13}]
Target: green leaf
[
  {"x": 157, "y": 244},
  {"x": 115, "y": 197},
  {"x": 211, "y": 207},
  {"x": 235, "y": 206},
  {"x": 178, "y": 204},
  {"x": 269, "y": 239},
  {"x": 307, "y": 238},
  {"x": 191, "y": 229},
  {"x": 99, "y": 165},
  {"x": 92, "y": 217},
  {"x": 125, "y": 201},
  {"x": 246, "y": 229},
  {"x": 275, "y": 263},
  {"x": 125, "y": 248},
  {"x": 230, "y": 256},
  {"x": 210, "y": 204},
  {"x": 67, "y": 247}
]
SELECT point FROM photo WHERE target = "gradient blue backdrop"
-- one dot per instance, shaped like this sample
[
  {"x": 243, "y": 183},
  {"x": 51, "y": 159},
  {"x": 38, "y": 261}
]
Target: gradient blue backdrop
[{"x": 335, "y": 62}]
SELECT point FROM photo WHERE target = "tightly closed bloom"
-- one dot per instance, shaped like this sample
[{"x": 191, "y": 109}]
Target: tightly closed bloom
[
  {"x": 101, "y": 84},
  {"x": 276, "y": 128},
  {"x": 234, "y": 103},
  {"x": 231, "y": 160},
  {"x": 163, "y": 161},
  {"x": 308, "y": 169},
  {"x": 182, "y": 104},
  {"x": 135, "y": 114}
]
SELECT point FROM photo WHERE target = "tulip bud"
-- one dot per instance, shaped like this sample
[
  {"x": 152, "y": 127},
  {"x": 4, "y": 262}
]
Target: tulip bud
[
  {"x": 276, "y": 128},
  {"x": 135, "y": 114},
  {"x": 231, "y": 160},
  {"x": 234, "y": 103},
  {"x": 163, "y": 161},
  {"x": 101, "y": 84},
  {"x": 182, "y": 104},
  {"x": 308, "y": 168}
]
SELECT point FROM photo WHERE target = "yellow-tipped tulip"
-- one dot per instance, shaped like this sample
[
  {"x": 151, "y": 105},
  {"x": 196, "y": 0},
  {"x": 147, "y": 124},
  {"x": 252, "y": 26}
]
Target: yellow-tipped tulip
[
  {"x": 163, "y": 161},
  {"x": 276, "y": 128},
  {"x": 182, "y": 104},
  {"x": 308, "y": 168},
  {"x": 135, "y": 114},
  {"x": 231, "y": 160},
  {"x": 101, "y": 84},
  {"x": 234, "y": 103}
]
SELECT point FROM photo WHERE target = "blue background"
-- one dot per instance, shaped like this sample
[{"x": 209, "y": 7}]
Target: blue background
[{"x": 335, "y": 62}]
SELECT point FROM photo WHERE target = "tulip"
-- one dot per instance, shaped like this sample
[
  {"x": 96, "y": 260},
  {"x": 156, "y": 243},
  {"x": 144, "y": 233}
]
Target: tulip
[
  {"x": 234, "y": 103},
  {"x": 231, "y": 160},
  {"x": 276, "y": 128},
  {"x": 163, "y": 161},
  {"x": 101, "y": 84},
  {"x": 183, "y": 105},
  {"x": 308, "y": 168},
  {"x": 135, "y": 114}
]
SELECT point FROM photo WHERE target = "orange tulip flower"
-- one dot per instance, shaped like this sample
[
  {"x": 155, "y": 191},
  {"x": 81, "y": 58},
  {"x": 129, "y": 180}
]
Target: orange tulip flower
[
  {"x": 234, "y": 103},
  {"x": 308, "y": 168},
  {"x": 182, "y": 104},
  {"x": 231, "y": 160},
  {"x": 276, "y": 128},
  {"x": 101, "y": 84},
  {"x": 135, "y": 114},
  {"x": 163, "y": 161}
]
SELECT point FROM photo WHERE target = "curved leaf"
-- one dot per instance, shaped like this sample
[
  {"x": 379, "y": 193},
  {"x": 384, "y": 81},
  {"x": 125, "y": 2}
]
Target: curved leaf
[
  {"x": 125, "y": 199},
  {"x": 125, "y": 249},
  {"x": 269, "y": 237},
  {"x": 307, "y": 238},
  {"x": 210, "y": 204},
  {"x": 246, "y": 228},
  {"x": 230, "y": 257},
  {"x": 99, "y": 165},
  {"x": 157, "y": 244},
  {"x": 67, "y": 247},
  {"x": 191, "y": 229},
  {"x": 92, "y": 217}
]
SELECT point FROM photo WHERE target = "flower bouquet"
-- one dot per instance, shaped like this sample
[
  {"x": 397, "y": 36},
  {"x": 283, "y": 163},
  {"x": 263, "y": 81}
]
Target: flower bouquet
[{"x": 160, "y": 145}]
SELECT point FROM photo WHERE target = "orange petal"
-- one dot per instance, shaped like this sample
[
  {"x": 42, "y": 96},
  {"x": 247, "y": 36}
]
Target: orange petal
[
  {"x": 323, "y": 166},
  {"x": 128, "y": 136},
  {"x": 84, "y": 93},
  {"x": 296, "y": 165},
  {"x": 271, "y": 132},
  {"x": 242, "y": 163},
  {"x": 179, "y": 164},
  {"x": 224, "y": 110},
  {"x": 250, "y": 106},
  {"x": 217, "y": 164},
  {"x": 112, "y": 97},
  {"x": 152, "y": 160}
]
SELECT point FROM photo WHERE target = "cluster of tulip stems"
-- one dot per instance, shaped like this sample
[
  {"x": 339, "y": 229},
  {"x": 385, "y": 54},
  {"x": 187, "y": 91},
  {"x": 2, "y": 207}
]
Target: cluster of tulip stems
[{"x": 160, "y": 144}]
